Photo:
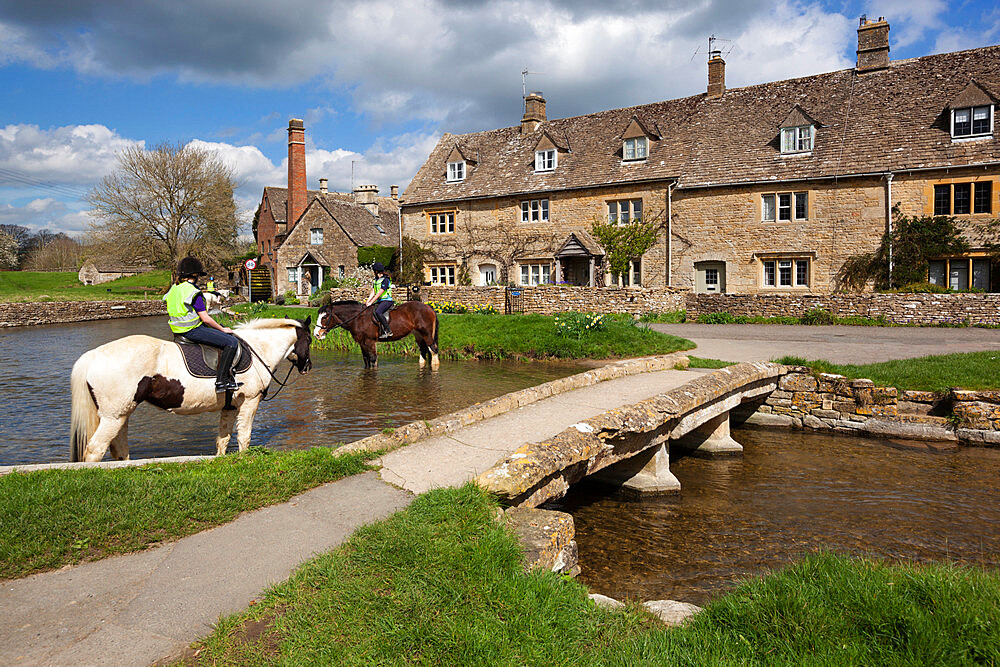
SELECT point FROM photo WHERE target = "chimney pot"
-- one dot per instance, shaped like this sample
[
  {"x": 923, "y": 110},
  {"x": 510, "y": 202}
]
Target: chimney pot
[
  {"x": 534, "y": 112},
  {"x": 394, "y": 191},
  {"x": 296, "y": 171},
  {"x": 323, "y": 183},
  {"x": 873, "y": 44},
  {"x": 716, "y": 75}
]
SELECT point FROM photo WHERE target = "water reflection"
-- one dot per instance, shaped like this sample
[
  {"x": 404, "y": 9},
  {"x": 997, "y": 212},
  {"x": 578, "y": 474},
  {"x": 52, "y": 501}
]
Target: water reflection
[
  {"x": 791, "y": 493},
  {"x": 337, "y": 401}
]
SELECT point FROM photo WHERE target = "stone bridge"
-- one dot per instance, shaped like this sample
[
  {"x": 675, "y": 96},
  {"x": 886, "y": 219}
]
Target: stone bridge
[{"x": 630, "y": 446}]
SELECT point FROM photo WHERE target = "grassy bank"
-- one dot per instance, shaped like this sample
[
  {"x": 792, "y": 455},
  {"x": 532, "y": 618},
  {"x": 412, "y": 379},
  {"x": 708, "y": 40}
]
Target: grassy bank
[
  {"x": 442, "y": 583},
  {"x": 57, "y": 517},
  {"x": 512, "y": 337},
  {"x": 65, "y": 286},
  {"x": 968, "y": 370}
]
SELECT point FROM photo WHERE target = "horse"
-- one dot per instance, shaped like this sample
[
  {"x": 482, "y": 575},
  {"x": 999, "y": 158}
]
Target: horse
[
  {"x": 408, "y": 317},
  {"x": 109, "y": 382}
]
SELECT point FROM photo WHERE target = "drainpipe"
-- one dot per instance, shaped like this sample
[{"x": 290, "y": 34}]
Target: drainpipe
[
  {"x": 670, "y": 189},
  {"x": 888, "y": 214},
  {"x": 399, "y": 225}
]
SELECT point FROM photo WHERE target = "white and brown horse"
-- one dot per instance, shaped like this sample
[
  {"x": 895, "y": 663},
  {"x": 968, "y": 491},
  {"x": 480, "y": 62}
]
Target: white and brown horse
[{"x": 109, "y": 382}]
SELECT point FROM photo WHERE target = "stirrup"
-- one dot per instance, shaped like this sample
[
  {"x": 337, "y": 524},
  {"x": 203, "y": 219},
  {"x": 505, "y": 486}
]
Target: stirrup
[
  {"x": 230, "y": 385},
  {"x": 385, "y": 334}
]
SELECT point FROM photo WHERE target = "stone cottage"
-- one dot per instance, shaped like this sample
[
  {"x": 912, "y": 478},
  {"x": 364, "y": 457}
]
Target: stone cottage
[
  {"x": 325, "y": 229},
  {"x": 762, "y": 189},
  {"x": 96, "y": 273}
]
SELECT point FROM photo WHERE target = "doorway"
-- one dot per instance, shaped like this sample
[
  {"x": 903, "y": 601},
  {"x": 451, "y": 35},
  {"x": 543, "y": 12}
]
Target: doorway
[{"x": 710, "y": 277}]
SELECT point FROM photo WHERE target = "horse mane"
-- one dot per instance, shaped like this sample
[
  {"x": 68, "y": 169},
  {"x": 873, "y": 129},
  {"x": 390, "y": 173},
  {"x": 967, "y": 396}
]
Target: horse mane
[
  {"x": 347, "y": 302},
  {"x": 269, "y": 323}
]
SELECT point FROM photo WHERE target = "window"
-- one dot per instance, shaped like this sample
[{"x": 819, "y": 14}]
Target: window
[
  {"x": 536, "y": 274},
  {"x": 963, "y": 198},
  {"x": 635, "y": 149},
  {"x": 782, "y": 206},
  {"x": 442, "y": 275},
  {"x": 316, "y": 236},
  {"x": 972, "y": 121},
  {"x": 293, "y": 275},
  {"x": 632, "y": 277},
  {"x": 712, "y": 278},
  {"x": 790, "y": 272},
  {"x": 341, "y": 271},
  {"x": 954, "y": 273},
  {"x": 545, "y": 160},
  {"x": 535, "y": 210},
  {"x": 456, "y": 171},
  {"x": 797, "y": 139},
  {"x": 624, "y": 211},
  {"x": 442, "y": 223}
]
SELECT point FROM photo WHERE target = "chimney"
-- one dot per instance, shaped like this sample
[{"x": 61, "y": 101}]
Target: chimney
[
  {"x": 534, "y": 112},
  {"x": 323, "y": 186},
  {"x": 296, "y": 171},
  {"x": 716, "y": 75},
  {"x": 873, "y": 44},
  {"x": 394, "y": 191},
  {"x": 366, "y": 196}
]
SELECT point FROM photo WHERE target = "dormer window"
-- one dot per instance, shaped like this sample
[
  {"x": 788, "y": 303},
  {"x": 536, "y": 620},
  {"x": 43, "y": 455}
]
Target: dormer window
[
  {"x": 635, "y": 149},
  {"x": 972, "y": 121},
  {"x": 797, "y": 139},
  {"x": 456, "y": 171},
  {"x": 545, "y": 160}
]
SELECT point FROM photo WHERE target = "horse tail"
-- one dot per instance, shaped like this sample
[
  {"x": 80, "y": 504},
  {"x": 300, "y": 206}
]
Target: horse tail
[
  {"x": 83, "y": 414},
  {"x": 435, "y": 331}
]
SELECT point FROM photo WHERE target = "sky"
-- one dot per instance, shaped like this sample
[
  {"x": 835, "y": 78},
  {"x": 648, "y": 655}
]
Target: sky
[{"x": 378, "y": 82}]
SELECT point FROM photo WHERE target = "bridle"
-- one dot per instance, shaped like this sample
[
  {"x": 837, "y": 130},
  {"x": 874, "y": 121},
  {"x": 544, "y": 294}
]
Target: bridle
[
  {"x": 341, "y": 323},
  {"x": 281, "y": 383}
]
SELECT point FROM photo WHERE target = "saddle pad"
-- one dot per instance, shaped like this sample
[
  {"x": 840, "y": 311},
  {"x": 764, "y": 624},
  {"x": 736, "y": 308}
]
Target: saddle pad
[{"x": 202, "y": 360}]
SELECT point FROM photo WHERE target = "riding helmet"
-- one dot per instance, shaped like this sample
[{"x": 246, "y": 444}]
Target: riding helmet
[
  {"x": 378, "y": 267},
  {"x": 190, "y": 266}
]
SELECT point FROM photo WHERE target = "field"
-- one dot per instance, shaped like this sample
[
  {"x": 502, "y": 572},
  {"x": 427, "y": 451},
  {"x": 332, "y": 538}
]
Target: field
[{"x": 65, "y": 286}]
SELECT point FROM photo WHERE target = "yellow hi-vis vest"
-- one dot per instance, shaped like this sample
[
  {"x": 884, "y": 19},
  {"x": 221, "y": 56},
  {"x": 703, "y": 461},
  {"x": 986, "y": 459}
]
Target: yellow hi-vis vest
[
  {"x": 182, "y": 314},
  {"x": 387, "y": 295}
]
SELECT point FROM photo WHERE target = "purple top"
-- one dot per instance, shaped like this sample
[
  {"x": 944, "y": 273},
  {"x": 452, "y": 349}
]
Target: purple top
[{"x": 199, "y": 303}]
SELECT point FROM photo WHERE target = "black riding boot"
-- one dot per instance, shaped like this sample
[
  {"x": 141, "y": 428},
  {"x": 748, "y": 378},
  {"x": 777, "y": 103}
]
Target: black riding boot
[
  {"x": 383, "y": 324},
  {"x": 224, "y": 380}
]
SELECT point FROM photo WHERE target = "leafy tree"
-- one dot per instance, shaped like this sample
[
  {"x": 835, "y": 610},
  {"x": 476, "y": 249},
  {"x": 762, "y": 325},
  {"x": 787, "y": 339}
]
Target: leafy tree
[
  {"x": 914, "y": 241},
  {"x": 623, "y": 243},
  {"x": 411, "y": 264},
  {"x": 8, "y": 251},
  {"x": 162, "y": 204}
]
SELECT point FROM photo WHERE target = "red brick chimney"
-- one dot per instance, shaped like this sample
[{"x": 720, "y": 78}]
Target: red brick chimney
[
  {"x": 534, "y": 112},
  {"x": 716, "y": 75},
  {"x": 296, "y": 170},
  {"x": 873, "y": 44}
]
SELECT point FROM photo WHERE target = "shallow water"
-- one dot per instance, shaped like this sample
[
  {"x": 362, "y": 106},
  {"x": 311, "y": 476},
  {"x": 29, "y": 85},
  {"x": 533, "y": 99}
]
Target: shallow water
[
  {"x": 791, "y": 493},
  {"x": 338, "y": 401}
]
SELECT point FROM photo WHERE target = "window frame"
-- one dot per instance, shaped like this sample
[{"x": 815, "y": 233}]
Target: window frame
[
  {"x": 791, "y": 208},
  {"x": 773, "y": 268},
  {"x": 442, "y": 274},
  {"x": 797, "y": 135},
  {"x": 972, "y": 134},
  {"x": 630, "y": 216},
  {"x": 456, "y": 172},
  {"x": 529, "y": 209},
  {"x": 527, "y": 271},
  {"x": 976, "y": 199},
  {"x": 434, "y": 224},
  {"x": 635, "y": 143},
  {"x": 316, "y": 236},
  {"x": 542, "y": 160}
]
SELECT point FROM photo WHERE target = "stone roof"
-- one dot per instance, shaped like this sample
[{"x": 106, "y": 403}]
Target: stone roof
[
  {"x": 893, "y": 119},
  {"x": 356, "y": 221}
]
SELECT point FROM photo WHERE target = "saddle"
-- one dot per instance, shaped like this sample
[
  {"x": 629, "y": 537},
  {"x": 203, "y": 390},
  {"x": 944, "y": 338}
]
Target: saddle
[{"x": 202, "y": 360}]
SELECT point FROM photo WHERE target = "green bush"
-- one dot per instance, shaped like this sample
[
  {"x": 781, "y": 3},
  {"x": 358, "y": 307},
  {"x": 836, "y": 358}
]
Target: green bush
[
  {"x": 818, "y": 316},
  {"x": 368, "y": 255},
  {"x": 290, "y": 298},
  {"x": 719, "y": 318},
  {"x": 669, "y": 317}
]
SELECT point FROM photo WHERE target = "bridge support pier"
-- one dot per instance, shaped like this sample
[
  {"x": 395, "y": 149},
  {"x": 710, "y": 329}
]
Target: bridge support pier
[
  {"x": 645, "y": 474},
  {"x": 711, "y": 439}
]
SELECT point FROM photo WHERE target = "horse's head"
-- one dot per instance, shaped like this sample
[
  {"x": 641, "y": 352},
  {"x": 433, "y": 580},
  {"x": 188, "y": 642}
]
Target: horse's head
[
  {"x": 326, "y": 320},
  {"x": 300, "y": 350}
]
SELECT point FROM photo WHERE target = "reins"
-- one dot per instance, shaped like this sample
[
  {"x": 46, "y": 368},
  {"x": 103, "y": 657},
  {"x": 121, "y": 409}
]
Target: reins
[{"x": 281, "y": 384}]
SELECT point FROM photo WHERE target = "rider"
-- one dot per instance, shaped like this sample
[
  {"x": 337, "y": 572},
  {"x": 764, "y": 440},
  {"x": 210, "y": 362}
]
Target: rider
[
  {"x": 189, "y": 316},
  {"x": 210, "y": 285},
  {"x": 381, "y": 293}
]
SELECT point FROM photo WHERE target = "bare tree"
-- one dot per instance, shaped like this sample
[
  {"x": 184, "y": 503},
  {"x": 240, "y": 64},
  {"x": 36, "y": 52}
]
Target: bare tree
[
  {"x": 8, "y": 251},
  {"x": 61, "y": 252},
  {"x": 503, "y": 243},
  {"x": 163, "y": 204}
]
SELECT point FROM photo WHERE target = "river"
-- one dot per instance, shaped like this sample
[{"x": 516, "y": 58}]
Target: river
[{"x": 338, "y": 401}]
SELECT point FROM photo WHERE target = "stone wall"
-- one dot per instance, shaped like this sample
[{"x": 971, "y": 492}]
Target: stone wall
[
  {"x": 547, "y": 299},
  {"x": 895, "y": 308},
  {"x": 55, "y": 312}
]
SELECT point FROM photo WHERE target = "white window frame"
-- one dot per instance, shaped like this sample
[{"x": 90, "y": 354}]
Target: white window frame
[
  {"x": 634, "y": 277},
  {"x": 791, "y": 209},
  {"x": 797, "y": 139},
  {"x": 442, "y": 274},
  {"x": 635, "y": 149},
  {"x": 293, "y": 276},
  {"x": 535, "y": 210},
  {"x": 535, "y": 273},
  {"x": 624, "y": 211},
  {"x": 972, "y": 111},
  {"x": 456, "y": 171},
  {"x": 772, "y": 269},
  {"x": 441, "y": 222},
  {"x": 316, "y": 236},
  {"x": 546, "y": 160}
]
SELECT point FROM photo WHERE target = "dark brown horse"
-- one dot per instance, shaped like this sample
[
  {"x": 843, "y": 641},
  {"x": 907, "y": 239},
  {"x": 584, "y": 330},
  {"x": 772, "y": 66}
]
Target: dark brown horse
[{"x": 406, "y": 318}]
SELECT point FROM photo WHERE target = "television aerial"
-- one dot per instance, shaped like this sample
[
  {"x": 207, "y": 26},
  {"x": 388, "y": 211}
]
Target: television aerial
[
  {"x": 524, "y": 81},
  {"x": 714, "y": 48}
]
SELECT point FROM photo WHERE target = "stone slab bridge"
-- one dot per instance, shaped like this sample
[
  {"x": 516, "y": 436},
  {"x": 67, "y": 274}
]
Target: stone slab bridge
[{"x": 629, "y": 446}]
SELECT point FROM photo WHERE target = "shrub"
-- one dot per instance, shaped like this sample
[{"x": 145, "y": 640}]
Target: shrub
[
  {"x": 920, "y": 288},
  {"x": 718, "y": 318},
  {"x": 817, "y": 316},
  {"x": 669, "y": 317},
  {"x": 290, "y": 299}
]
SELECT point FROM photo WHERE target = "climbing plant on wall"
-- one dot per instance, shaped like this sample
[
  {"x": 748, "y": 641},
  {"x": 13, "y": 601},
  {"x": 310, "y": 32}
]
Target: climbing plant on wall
[{"x": 625, "y": 242}]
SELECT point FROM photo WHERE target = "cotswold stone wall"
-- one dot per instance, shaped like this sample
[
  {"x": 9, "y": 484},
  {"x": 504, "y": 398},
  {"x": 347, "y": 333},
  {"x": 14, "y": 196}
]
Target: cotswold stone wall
[
  {"x": 895, "y": 308},
  {"x": 547, "y": 300},
  {"x": 55, "y": 312}
]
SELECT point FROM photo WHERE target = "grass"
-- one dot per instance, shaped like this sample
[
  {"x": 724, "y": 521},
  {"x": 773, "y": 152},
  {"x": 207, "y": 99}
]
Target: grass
[
  {"x": 668, "y": 317},
  {"x": 442, "y": 583},
  {"x": 65, "y": 286},
  {"x": 968, "y": 370},
  {"x": 53, "y": 518},
  {"x": 472, "y": 336},
  {"x": 700, "y": 362}
]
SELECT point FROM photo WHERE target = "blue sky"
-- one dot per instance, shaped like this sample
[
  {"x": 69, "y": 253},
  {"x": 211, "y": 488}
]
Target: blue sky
[{"x": 378, "y": 82}]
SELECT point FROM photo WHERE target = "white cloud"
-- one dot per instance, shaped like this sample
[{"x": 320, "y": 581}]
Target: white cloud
[
  {"x": 74, "y": 154},
  {"x": 46, "y": 213},
  {"x": 909, "y": 20}
]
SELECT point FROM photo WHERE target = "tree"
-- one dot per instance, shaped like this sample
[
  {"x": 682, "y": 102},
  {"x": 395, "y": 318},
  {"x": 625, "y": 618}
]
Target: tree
[
  {"x": 163, "y": 204},
  {"x": 625, "y": 242},
  {"x": 61, "y": 252},
  {"x": 412, "y": 258},
  {"x": 22, "y": 240},
  {"x": 502, "y": 243},
  {"x": 8, "y": 251}
]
